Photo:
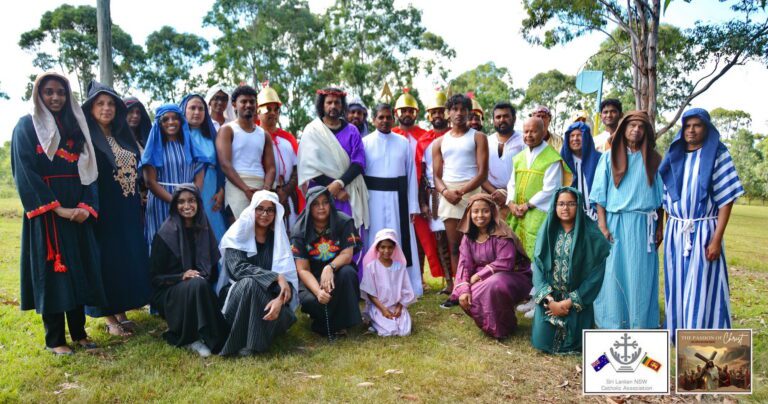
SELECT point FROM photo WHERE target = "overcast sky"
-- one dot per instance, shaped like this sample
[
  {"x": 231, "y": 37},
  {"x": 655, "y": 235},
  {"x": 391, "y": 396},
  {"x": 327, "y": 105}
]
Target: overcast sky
[{"x": 479, "y": 31}]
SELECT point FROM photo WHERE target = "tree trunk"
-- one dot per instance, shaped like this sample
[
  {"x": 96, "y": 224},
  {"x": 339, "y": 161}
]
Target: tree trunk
[{"x": 104, "y": 24}]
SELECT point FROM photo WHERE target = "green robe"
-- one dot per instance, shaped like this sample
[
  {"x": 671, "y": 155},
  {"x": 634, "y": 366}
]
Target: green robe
[
  {"x": 529, "y": 182},
  {"x": 567, "y": 265}
]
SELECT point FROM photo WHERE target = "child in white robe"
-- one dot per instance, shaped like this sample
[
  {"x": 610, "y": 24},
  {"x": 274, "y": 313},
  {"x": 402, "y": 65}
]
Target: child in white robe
[{"x": 386, "y": 287}]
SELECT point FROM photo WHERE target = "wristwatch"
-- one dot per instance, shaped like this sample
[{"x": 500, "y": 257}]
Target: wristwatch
[{"x": 333, "y": 266}]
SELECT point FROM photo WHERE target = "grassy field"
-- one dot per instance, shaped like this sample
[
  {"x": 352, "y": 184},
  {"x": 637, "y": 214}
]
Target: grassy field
[{"x": 446, "y": 358}]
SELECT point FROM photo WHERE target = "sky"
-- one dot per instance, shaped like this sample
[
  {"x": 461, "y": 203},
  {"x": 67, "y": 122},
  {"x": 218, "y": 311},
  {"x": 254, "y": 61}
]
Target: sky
[{"x": 479, "y": 31}]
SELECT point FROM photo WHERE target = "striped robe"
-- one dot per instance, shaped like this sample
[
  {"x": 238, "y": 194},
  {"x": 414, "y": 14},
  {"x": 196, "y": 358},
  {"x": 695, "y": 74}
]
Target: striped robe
[
  {"x": 696, "y": 290},
  {"x": 175, "y": 170}
]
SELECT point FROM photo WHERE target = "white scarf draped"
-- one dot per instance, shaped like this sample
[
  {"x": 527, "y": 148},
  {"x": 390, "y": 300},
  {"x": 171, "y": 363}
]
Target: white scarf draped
[
  {"x": 242, "y": 236},
  {"x": 48, "y": 132},
  {"x": 321, "y": 154}
]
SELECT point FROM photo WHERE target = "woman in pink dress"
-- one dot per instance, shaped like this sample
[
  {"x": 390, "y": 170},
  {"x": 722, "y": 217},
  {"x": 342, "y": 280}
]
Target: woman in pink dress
[
  {"x": 494, "y": 273},
  {"x": 386, "y": 287}
]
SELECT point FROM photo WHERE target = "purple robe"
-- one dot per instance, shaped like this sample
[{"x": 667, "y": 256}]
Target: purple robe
[
  {"x": 501, "y": 288},
  {"x": 350, "y": 140}
]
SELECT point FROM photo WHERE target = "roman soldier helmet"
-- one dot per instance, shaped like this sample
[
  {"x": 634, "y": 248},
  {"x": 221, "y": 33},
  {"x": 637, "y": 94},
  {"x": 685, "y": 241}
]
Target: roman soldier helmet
[
  {"x": 406, "y": 100},
  {"x": 438, "y": 100},
  {"x": 267, "y": 95},
  {"x": 476, "y": 107}
]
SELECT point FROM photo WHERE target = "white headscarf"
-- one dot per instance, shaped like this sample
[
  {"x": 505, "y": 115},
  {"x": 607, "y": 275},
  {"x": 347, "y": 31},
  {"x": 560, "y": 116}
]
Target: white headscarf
[
  {"x": 242, "y": 236},
  {"x": 229, "y": 111},
  {"x": 48, "y": 132}
]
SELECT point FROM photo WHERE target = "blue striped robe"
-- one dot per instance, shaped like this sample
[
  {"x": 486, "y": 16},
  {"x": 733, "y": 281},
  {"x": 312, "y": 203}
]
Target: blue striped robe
[
  {"x": 629, "y": 297},
  {"x": 696, "y": 290},
  {"x": 175, "y": 170}
]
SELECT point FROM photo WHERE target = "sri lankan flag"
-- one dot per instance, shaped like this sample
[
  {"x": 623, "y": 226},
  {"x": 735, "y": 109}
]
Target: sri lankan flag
[{"x": 651, "y": 363}]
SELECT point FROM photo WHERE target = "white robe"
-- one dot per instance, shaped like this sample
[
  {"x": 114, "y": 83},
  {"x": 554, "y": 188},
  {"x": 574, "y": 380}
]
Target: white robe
[
  {"x": 390, "y": 156},
  {"x": 500, "y": 168},
  {"x": 285, "y": 163}
]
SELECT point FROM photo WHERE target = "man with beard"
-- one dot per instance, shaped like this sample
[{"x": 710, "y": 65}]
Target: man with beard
[
  {"x": 429, "y": 228},
  {"x": 331, "y": 154},
  {"x": 390, "y": 175},
  {"x": 610, "y": 113},
  {"x": 460, "y": 160},
  {"x": 406, "y": 111},
  {"x": 554, "y": 140},
  {"x": 476, "y": 116},
  {"x": 502, "y": 147},
  {"x": 245, "y": 153},
  {"x": 357, "y": 114}
]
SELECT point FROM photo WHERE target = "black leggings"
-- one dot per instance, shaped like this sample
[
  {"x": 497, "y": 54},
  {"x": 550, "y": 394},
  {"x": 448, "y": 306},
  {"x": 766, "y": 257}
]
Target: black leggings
[{"x": 54, "y": 327}]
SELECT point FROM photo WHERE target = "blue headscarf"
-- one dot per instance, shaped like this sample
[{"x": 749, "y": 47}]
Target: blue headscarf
[
  {"x": 672, "y": 169},
  {"x": 207, "y": 121},
  {"x": 153, "y": 153},
  {"x": 589, "y": 155}
]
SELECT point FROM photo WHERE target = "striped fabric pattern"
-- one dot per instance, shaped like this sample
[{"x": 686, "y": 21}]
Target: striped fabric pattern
[
  {"x": 696, "y": 290},
  {"x": 175, "y": 170}
]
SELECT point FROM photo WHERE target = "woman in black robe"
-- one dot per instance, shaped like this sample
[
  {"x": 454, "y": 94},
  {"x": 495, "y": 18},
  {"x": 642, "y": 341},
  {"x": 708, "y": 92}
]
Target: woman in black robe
[
  {"x": 138, "y": 121},
  {"x": 323, "y": 241},
  {"x": 54, "y": 167},
  {"x": 183, "y": 270},
  {"x": 119, "y": 230},
  {"x": 258, "y": 282}
]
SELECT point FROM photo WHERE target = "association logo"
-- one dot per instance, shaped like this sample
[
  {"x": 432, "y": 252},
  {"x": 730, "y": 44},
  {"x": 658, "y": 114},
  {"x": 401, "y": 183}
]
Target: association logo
[{"x": 626, "y": 362}]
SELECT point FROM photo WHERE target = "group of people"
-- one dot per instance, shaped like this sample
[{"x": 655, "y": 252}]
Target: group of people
[
  {"x": 711, "y": 377},
  {"x": 225, "y": 223}
]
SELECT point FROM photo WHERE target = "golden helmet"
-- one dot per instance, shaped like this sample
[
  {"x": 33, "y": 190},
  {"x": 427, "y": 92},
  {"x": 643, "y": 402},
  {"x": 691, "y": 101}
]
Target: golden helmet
[
  {"x": 438, "y": 100},
  {"x": 476, "y": 107},
  {"x": 267, "y": 95},
  {"x": 406, "y": 100}
]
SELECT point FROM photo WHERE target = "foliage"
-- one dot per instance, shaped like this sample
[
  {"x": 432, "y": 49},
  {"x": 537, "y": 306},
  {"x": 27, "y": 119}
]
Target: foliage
[
  {"x": 491, "y": 84},
  {"x": 747, "y": 160},
  {"x": 276, "y": 41},
  {"x": 557, "y": 91},
  {"x": 722, "y": 45},
  {"x": 171, "y": 57},
  {"x": 7, "y": 185},
  {"x": 4, "y": 95},
  {"x": 72, "y": 32},
  {"x": 729, "y": 121}
]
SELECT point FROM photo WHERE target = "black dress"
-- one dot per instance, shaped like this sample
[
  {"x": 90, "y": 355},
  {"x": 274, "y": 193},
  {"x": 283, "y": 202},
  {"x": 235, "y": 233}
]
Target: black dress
[
  {"x": 243, "y": 301},
  {"x": 60, "y": 267},
  {"x": 190, "y": 307}
]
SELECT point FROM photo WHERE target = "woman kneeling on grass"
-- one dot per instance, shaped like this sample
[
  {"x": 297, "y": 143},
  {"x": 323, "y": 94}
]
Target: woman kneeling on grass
[
  {"x": 258, "y": 283},
  {"x": 494, "y": 274},
  {"x": 182, "y": 268},
  {"x": 568, "y": 270},
  {"x": 323, "y": 241}
]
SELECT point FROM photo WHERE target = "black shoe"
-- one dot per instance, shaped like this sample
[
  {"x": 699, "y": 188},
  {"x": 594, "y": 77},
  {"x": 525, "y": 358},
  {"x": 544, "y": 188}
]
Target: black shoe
[{"x": 448, "y": 304}]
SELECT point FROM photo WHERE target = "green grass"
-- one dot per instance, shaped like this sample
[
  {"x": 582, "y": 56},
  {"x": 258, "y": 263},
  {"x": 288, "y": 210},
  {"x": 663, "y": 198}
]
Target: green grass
[{"x": 446, "y": 357}]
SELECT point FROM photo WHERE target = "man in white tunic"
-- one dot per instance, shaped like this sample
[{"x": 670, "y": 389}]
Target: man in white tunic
[
  {"x": 610, "y": 114},
  {"x": 502, "y": 147},
  {"x": 390, "y": 175}
]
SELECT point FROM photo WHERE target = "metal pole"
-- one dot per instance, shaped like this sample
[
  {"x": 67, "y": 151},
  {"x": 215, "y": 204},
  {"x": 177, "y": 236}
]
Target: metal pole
[{"x": 104, "y": 24}]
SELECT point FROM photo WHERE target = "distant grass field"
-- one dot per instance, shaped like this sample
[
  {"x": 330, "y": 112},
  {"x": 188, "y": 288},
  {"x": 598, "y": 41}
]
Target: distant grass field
[{"x": 446, "y": 359}]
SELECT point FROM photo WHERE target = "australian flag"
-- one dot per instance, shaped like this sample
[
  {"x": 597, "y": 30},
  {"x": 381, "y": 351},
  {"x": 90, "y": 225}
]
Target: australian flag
[{"x": 600, "y": 363}]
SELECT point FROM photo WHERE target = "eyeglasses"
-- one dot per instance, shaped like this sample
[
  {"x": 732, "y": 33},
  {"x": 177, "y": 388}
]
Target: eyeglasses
[
  {"x": 265, "y": 211},
  {"x": 570, "y": 204}
]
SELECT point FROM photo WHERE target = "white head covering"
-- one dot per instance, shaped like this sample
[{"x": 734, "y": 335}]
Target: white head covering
[
  {"x": 48, "y": 132},
  {"x": 229, "y": 111},
  {"x": 242, "y": 236}
]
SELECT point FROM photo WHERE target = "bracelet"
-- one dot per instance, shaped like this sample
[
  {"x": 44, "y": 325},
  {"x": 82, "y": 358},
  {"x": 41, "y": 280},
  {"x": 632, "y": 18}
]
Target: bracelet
[
  {"x": 340, "y": 183},
  {"x": 443, "y": 191},
  {"x": 333, "y": 266}
]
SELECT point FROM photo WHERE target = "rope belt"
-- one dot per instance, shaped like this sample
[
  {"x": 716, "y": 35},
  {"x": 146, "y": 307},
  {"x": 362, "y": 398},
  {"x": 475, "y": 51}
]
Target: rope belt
[{"x": 688, "y": 228}]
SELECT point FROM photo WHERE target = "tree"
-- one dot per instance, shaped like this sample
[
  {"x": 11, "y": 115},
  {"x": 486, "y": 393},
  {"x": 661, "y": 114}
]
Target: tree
[
  {"x": 722, "y": 45},
  {"x": 729, "y": 121},
  {"x": 747, "y": 159},
  {"x": 490, "y": 84},
  {"x": 558, "y": 92},
  {"x": 72, "y": 31},
  {"x": 280, "y": 41},
  {"x": 616, "y": 64},
  {"x": 374, "y": 43},
  {"x": 171, "y": 56}
]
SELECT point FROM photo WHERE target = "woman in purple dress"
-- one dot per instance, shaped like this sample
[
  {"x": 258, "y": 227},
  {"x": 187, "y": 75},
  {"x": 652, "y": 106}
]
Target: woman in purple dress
[{"x": 493, "y": 274}]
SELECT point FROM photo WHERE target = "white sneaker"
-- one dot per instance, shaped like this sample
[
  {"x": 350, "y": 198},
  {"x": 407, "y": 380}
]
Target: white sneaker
[
  {"x": 527, "y": 306},
  {"x": 530, "y": 313},
  {"x": 200, "y": 347}
]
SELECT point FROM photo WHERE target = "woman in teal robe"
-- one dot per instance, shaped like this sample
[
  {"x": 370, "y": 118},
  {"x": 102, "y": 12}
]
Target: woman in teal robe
[{"x": 569, "y": 263}]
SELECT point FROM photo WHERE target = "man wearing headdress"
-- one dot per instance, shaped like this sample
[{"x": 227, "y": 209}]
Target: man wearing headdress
[
  {"x": 701, "y": 185},
  {"x": 627, "y": 192},
  {"x": 331, "y": 154},
  {"x": 477, "y": 115},
  {"x": 357, "y": 114},
  {"x": 285, "y": 148}
]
